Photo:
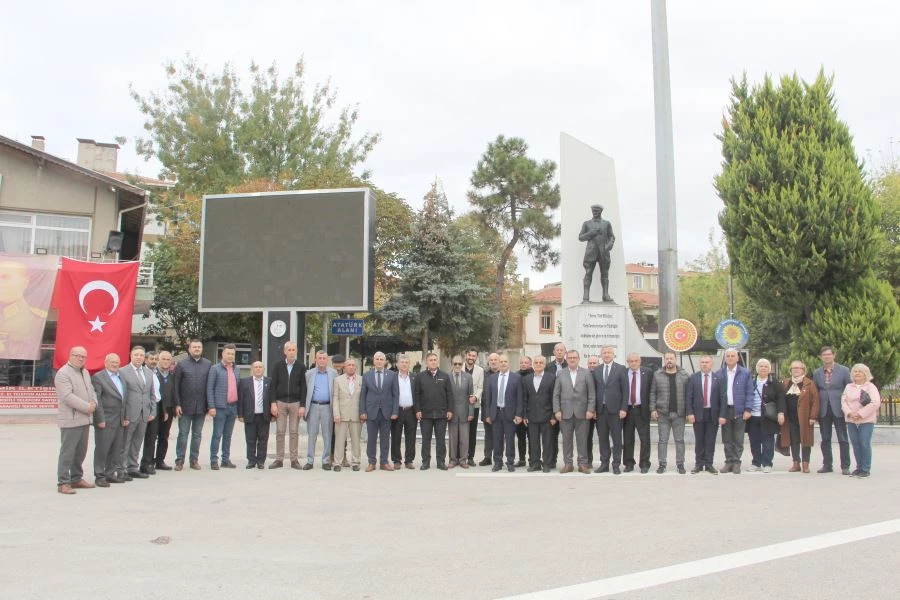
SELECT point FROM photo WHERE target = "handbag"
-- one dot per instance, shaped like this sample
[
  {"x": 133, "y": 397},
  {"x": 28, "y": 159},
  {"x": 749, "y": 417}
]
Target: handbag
[
  {"x": 782, "y": 449},
  {"x": 770, "y": 411},
  {"x": 864, "y": 398}
]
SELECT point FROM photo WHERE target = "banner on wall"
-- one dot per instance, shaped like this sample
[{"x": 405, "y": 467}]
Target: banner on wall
[{"x": 26, "y": 287}]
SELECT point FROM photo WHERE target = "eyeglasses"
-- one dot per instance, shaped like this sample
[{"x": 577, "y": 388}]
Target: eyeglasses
[
  {"x": 78, "y": 355},
  {"x": 457, "y": 364}
]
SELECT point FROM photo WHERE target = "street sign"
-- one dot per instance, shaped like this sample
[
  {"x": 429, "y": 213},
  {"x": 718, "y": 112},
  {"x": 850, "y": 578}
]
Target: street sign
[{"x": 346, "y": 327}]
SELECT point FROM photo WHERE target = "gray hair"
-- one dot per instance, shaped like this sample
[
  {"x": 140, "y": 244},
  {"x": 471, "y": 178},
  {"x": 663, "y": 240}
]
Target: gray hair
[
  {"x": 862, "y": 369},
  {"x": 763, "y": 361}
]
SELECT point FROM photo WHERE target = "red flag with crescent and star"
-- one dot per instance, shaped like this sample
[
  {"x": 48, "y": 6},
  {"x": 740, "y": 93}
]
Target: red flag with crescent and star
[{"x": 96, "y": 303}]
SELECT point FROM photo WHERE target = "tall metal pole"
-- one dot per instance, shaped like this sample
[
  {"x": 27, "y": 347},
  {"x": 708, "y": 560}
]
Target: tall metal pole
[{"x": 665, "y": 167}]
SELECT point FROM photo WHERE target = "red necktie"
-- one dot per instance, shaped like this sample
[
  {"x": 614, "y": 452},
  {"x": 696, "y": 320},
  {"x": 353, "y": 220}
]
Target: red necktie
[
  {"x": 705, "y": 390},
  {"x": 633, "y": 385}
]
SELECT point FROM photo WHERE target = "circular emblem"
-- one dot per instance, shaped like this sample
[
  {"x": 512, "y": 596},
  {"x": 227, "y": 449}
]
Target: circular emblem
[
  {"x": 731, "y": 333},
  {"x": 277, "y": 328},
  {"x": 680, "y": 335}
]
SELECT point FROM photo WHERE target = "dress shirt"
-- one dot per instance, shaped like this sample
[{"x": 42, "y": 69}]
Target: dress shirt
[
  {"x": 156, "y": 385},
  {"x": 501, "y": 390},
  {"x": 321, "y": 391},
  {"x": 258, "y": 389},
  {"x": 116, "y": 380},
  {"x": 537, "y": 380},
  {"x": 405, "y": 390},
  {"x": 635, "y": 380},
  {"x": 606, "y": 367},
  {"x": 730, "y": 386},
  {"x": 231, "y": 391},
  {"x": 379, "y": 379},
  {"x": 351, "y": 384},
  {"x": 140, "y": 373},
  {"x": 573, "y": 375},
  {"x": 290, "y": 366},
  {"x": 707, "y": 388}
]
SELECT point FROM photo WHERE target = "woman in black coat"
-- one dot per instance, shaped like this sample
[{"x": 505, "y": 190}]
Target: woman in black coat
[{"x": 766, "y": 416}]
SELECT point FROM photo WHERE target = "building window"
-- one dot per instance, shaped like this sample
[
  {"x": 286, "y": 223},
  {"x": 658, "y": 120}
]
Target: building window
[
  {"x": 652, "y": 282},
  {"x": 546, "y": 319},
  {"x": 63, "y": 235},
  {"x": 637, "y": 282}
]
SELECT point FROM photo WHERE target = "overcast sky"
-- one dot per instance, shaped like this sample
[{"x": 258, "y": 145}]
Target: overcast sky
[{"x": 441, "y": 80}]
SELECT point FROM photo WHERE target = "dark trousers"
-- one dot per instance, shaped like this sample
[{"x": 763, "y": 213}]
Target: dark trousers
[
  {"x": 539, "y": 454},
  {"x": 733, "y": 436},
  {"x": 379, "y": 429},
  {"x": 148, "y": 455},
  {"x": 840, "y": 426},
  {"x": 797, "y": 453},
  {"x": 504, "y": 431},
  {"x": 109, "y": 444},
  {"x": 164, "y": 426},
  {"x": 404, "y": 425},
  {"x": 610, "y": 426},
  {"x": 636, "y": 423},
  {"x": 522, "y": 436},
  {"x": 762, "y": 445},
  {"x": 554, "y": 443},
  {"x": 256, "y": 432},
  {"x": 705, "y": 432},
  {"x": 473, "y": 432},
  {"x": 488, "y": 440},
  {"x": 592, "y": 425},
  {"x": 439, "y": 428}
]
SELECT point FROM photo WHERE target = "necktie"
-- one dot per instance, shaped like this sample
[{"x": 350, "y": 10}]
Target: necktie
[
  {"x": 633, "y": 386},
  {"x": 706, "y": 390},
  {"x": 501, "y": 399},
  {"x": 457, "y": 380},
  {"x": 258, "y": 390},
  {"x": 605, "y": 372},
  {"x": 378, "y": 379}
]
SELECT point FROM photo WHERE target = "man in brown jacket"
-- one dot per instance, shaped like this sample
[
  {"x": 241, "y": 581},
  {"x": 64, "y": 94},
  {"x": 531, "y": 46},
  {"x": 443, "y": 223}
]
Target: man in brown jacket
[{"x": 77, "y": 401}]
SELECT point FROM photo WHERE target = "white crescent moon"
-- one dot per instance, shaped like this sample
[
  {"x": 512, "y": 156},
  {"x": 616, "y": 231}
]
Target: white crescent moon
[{"x": 103, "y": 286}]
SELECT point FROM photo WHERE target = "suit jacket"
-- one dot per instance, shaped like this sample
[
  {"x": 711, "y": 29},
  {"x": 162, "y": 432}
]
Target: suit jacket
[
  {"x": 831, "y": 394},
  {"x": 742, "y": 390},
  {"x": 288, "y": 388},
  {"x": 246, "y": 407},
  {"x": 217, "y": 385},
  {"x": 166, "y": 389},
  {"x": 140, "y": 394},
  {"x": 694, "y": 398},
  {"x": 477, "y": 382},
  {"x": 645, "y": 380},
  {"x": 385, "y": 401},
  {"x": 614, "y": 393},
  {"x": 433, "y": 394},
  {"x": 311, "y": 380},
  {"x": 462, "y": 409},
  {"x": 552, "y": 367},
  {"x": 486, "y": 378},
  {"x": 539, "y": 404},
  {"x": 345, "y": 404},
  {"x": 574, "y": 401},
  {"x": 110, "y": 403},
  {"x": 513, "y": 396}
]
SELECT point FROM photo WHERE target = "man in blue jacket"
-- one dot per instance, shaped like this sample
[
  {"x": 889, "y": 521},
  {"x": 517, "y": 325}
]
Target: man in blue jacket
[
  {"x": 735, "y": 391},
  {"x": 222, "y": 401}
]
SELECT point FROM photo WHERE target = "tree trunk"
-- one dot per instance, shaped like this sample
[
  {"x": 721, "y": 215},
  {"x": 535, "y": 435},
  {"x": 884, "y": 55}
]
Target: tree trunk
[
  {"x": 498, "y": 290},
  {"x": 424, "y": 342}
]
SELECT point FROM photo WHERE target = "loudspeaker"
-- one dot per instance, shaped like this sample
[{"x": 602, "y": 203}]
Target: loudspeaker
[{"x": 114, "y": 241}]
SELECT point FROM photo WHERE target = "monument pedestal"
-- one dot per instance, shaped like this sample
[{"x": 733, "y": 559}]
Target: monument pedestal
[{"x": 590, "y": 327}]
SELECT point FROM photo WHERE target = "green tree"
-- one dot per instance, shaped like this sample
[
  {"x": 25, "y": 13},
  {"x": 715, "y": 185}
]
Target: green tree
[
  {"x": 799, "y": 219},
  {"x": 436, "y": 297},
  {"x": 886, "y": 189},
  {"x": 639, "y": 312},
  {"x": 516, "y": 195}
]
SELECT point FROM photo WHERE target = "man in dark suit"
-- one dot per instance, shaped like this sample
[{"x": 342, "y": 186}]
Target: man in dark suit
[
  {"x": 255, "y": 411},
  {"x": 703, "y": 413},
  {"x": 379, "y": 404},
  {"x": 433, "y": 397},
  {"x": 110, "y": 434},
  {"x": 525, "y": 368},
  {"x": 831, "y": 379},
  {"x": 611, "y": 385},
  {"x": 406, "y": 422},
  {"x": 537, "y": 388},
  {"x": 288, "y": 380},
  {"x": 505, "y": 405},
  {"x": 493, "y": 367},
  {"x": 638, "y": 418},
  {"x": 156, "y": 440},
  {"x": 557, "y": 364}
]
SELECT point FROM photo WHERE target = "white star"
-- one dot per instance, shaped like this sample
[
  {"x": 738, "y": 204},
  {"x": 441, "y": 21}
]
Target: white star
[{"x": 97, "y": 324}]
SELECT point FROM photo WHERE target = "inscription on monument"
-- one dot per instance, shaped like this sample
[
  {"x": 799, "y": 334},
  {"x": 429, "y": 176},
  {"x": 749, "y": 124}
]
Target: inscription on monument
[{"x": 600, "y": 326}]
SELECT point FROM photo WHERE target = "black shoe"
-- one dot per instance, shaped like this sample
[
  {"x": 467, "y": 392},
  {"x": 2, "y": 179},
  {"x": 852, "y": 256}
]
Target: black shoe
[
  {"x": 138, "y": 475},
  {"x": 845, "y": 471},
  {"x": 545, "y": 470},
  {"x": 127, "y": 477},
  {"x": 179, "y": 465},
  {"x": 442, "y": 466},
  {"x": 101, "y": 483},
  {"x": 496, "y": 468},
  {"x": 276, "y": 464},
  {"x": 711, "y": 469},
  {"x": 602, "y": 469},
  {"x": 616, "y": 471},
  {"x": 295, "y": 464},
  {"x": 398, "y": 466},
  {"x": 162, "y": 466},
  {"x": 825, "y": 469},
  {"x": 306, "y": 467},
  {"x": 327, "y": 466},
  {"x": 337, "y": 468},
  {"x": 521, "y": 463},
  {"x": 260, "y": 466},
  {"x": 214, "y": 466},
  {"x": 681, "y": 470},
  {"x": 863, "y": 474},
  {"x": 661, "y": 470},
  {"x": 228, "y": 464},
  {"x": 629, "y": 468},
  {"x": 532, "y": 469},
  {"x": 145, "y": 470},
  {"x": 645, "y": 470},
  {"x": 250, "y": 465},
  {"x": 425, "y": 467},
  {"x": 511, "y": 468},
  {"x": 114, "y": 479},
  {"x": 485, "y": 463},
  {"x": 151, "y": 469},
  {"x": 696, "y": 470},
  {"x": 471, "y": 462},
  {"x": 356, "y": 467}
]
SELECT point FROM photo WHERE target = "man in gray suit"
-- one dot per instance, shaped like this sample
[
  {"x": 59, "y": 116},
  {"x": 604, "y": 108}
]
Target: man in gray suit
[
  {"x": 463, "y": 413},
  {"x": 831, "y": 379},
  {"x": 574, "y": 404},
  {"x": 109, "y": 442},
  {"x": 379, "y": 404},
  {"x": 319, "y": 414},
  {"x": 140, "y": 409}
]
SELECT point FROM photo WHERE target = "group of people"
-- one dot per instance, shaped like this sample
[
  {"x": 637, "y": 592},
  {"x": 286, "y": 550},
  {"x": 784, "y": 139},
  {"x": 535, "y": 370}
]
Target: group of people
[{"x": 132, "y": 409}]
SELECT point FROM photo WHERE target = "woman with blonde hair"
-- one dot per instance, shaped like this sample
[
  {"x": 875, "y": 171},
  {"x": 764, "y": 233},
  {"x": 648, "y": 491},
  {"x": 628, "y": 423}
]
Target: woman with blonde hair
[
  {"x": 860, "y": 402},
  {"x": 802, "y": 408}
]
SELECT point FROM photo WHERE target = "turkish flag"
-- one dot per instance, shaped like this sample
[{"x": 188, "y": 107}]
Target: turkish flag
[{"x": 96, "y": 304}]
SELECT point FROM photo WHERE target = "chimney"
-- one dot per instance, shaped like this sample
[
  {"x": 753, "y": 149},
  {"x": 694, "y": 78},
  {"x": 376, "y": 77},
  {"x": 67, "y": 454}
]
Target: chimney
[
  {"x": 98, "y": 156},
  {"x": 37, "y": 142}
]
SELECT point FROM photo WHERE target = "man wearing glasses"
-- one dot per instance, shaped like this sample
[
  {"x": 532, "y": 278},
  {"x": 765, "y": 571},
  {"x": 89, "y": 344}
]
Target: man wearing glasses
[{"x": 77, "y": 402}]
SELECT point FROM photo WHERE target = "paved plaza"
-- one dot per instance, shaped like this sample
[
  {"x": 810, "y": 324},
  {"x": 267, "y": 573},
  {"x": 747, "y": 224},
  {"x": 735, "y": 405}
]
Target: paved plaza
[{"x": 458, "y": 534}]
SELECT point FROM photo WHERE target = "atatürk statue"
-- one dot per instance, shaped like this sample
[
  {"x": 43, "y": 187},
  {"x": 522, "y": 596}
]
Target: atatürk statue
[{"x": 600, "y": 239}]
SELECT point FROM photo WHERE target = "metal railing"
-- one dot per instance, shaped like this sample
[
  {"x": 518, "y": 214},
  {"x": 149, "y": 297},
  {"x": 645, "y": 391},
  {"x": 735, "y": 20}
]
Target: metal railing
[
  {"x": 888, "y": 413},
  {"x": 145, "y": 275}
]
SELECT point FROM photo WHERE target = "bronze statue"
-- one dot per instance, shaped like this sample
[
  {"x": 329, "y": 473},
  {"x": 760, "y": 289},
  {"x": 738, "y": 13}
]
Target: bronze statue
[{"x": 600, "y": 239}]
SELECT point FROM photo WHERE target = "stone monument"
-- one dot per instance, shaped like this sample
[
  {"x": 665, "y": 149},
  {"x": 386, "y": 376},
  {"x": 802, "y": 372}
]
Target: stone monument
[{"x": 587, "y": 177}]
